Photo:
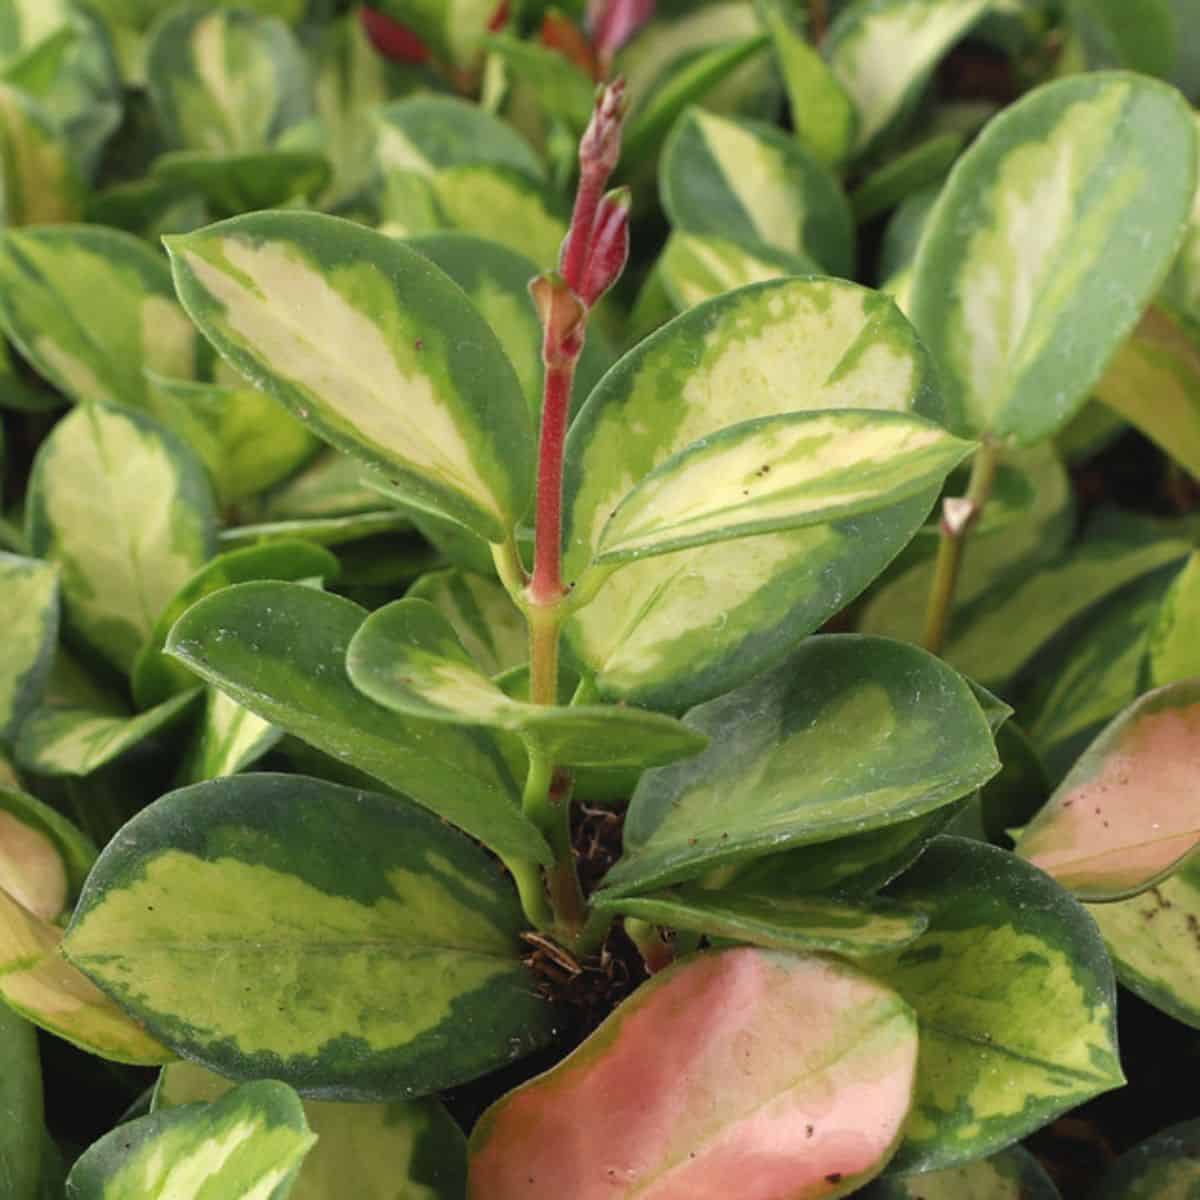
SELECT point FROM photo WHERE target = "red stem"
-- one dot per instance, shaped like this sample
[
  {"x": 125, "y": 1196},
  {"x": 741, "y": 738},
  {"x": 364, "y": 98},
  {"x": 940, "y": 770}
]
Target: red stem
[
  {"x": 546, "y": 586},
  {"x": 583, "y": 220}
]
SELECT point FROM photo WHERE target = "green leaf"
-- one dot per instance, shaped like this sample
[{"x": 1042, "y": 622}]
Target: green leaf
[
  {"x": 120, "y": 558},
  {"x": 1125, "y": 817},
  {"x": 39, "y": 983},
  {"x": 694, "y": 267},
  {"x": 1137, "y": 34},
  {"x": 232, "y": 183},
  {"x": 912, "y": 170},
  {"x": 797, "y": 923},
  {"x": 848, "y": 735},
  {"x": 564, "y": 92},
  {"x": 749, "y": 182},
  {"x": 408, "y": 658},
  {"x": 1173, "y": 642},
  {"x": 429, "y": 133},
  {"x": 776, "y": 473},
  {"x": 90, "y": 308},
  {"x": 322, "y": 531},
  {"x": 156, "y": 677},
  {"x": 29, "y": 613},
  {"x": 39, "y": 184},
  {"x": 670, "y": 632},
  {"x": 415, "y": 382},
  {"x": 225, "y": 82},
  {"x": 1163, "y": 1167},
  {"x": 796, "y": 1065},
  {"x": 1081, "y": 182},
  {"x": 359, "y": 896},
  {"x": 884, "y": 51},
  {"x": 329, "y": 486},
  {"x": 247, "y": 440},
  {"x": 1013, "y": 1174},
  {"x": 363, "y": 1150},
  {"x": 1015, "y": 1000},
  {"x": 1152, "y": 941},
  {"x": 452, "y": 31},
  {"x": 279, "y": 649},
  {"x": 248, "y": 1144},
  {"x": 58, "y": 739},
  {"x": 483, "y": 617},
  {"x": 1154, "y": 383},
  {"x": 823, "y": 115},
  {"x": 230, "y": 738},
  {"x": 41, "y": 844},
  {"x": 21, "y": 1104}
]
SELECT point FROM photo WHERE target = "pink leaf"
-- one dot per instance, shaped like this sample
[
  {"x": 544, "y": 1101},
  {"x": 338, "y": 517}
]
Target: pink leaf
[
  {"x": 742, "y": 1073},
  {"x": 1129, "y": 811}
]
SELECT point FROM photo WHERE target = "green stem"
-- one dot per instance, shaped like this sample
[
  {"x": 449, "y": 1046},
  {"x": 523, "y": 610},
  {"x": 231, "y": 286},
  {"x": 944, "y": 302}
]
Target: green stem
[
  {"x": 511, "y": 569},
  {"x": 959, "y": 517},
  {"x": 531, "y": 890},
  {"x": 656, "y": 953}
]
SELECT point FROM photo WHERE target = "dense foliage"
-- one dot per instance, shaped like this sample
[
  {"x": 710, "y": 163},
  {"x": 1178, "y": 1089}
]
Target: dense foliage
[{"x": 516, "y": 687}]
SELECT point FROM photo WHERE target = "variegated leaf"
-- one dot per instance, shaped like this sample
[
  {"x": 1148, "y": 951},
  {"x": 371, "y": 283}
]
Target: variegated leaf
[
  {"x": 367, "y": 1151},
  {"x": 849, "y": 734},
  {"x": 235, "y": 183},
  {"x": 909, "y": 173},
  {"x": 560, "y": 87},
  {"x": 1151, "y": 939},
  {"x": 226, "y": 81},
  {"x": 670, "y": 632},
  {"x": 248, "y": 1144},
  {"x": 777, "y": 473},
  {"x": 39, "y": 983},
  {"x": 228, "y": 739},
  {"x": 322, "y": 531},
  {"x": 29, "y": 610},
  {"x": 59, "y": 739},
  {"x": 120, "y": 559},
  {"x": 329, "y": 486},
  {"x": 39, "y": 184},
  {"x": 155, "y": 677},
  {"x": 823, "y": 114},
  {"x": 485, "y": 620},
  {"x": 754, "y": 185},
  {"x": 280, "y": 650},
  {"x": 1083, "y": 181},
  {"x": 452, "y": 32},
  {"x": 90, "y": 308},
  {"x": 804, "y": 924},
  {"x": 797, "y": 1065},
  {"x": 431, "y": 133},
  {"x": 1154, "y": 383},
  {"x": 884, "y": 51},
  {"x": 408, "y": 658},
  {"x": 21, "y": 1102},
  {"x": 1163, "y": 1167},
  {"x": 62, "y": 855},
  {"x": 1014, "y": 996},
  {"x": 414, "y": 381},
  {"x": 1013, "y": 1174},
  {"x": 696, "y": 267},
  {"x": 1125, "y": 816},
  {"x": 1173, "y": 641},
  {"x": 358, "y": 895}
]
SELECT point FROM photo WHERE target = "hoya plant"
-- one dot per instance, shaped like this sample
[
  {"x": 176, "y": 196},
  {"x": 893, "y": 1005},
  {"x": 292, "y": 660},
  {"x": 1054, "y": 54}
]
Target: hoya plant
[{"x": 570, "y": 634}]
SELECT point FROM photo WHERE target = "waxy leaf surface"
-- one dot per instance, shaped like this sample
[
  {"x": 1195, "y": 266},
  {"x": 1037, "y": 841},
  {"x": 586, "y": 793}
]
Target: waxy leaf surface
[
  {"x": 406, "y": 1150},
  {"x": 696, "y": 267},
  {"x": 883, "y": 52},
  {"x": 1083, "y": 181},
  {"x": 39, "y": 983},
  {"x": 777, "y": 473},
  {"x": 742, "y": 1072},
  {"x": 1015, "y": 998},
  {"x": 1126, "y": 814},
  {"x": 120, "y": 559},
  {"x": 1164, "y": 1167},
  {"x": 1013, "y": 1174},
  {"x": 670, "y": 632},
  {"x": 44, "y": 859},
  {"x": 360, "y": 898},
  {"x": 1152, "y": 940},
  {"x": 756, "y": 186},
  {"x": 90, "y": 308},
  {"x": 848, "y": 734},
  {"x": 248, "y": 1145},
  {"x": 29, "y": 610},
  {"x": 485, "y": 620},
  {"x": 21, "y": 1102},
  {"x": 225, "y": 80},
  {"x": 228, "y": 739},
  {"x": 374, "y": 348},
  {"x": 279, "y": 649},
  {"x": 407, "y": 657}
]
